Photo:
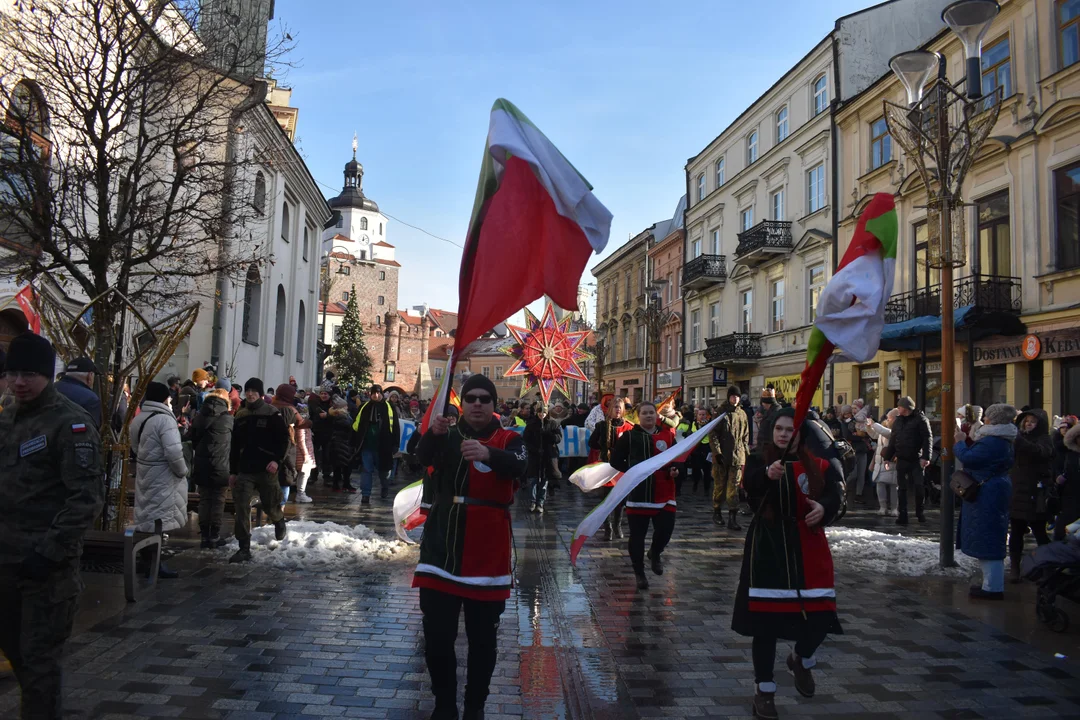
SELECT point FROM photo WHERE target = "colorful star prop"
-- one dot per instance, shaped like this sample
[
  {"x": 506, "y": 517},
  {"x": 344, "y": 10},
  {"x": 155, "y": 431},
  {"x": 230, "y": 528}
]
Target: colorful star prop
[{"x": 547, "y": 354}]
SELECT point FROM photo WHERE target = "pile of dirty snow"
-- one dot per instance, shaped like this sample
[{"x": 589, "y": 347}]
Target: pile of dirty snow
[
  {"x": 321, "y": 544},
  {"x": 883, "y": 554}
]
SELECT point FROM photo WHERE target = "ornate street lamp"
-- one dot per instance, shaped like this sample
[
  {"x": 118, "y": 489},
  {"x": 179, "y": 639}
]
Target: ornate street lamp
[{"x": 941, "y": 130}]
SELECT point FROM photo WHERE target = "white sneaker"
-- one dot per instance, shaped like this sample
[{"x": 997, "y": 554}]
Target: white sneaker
[
  {"x": 303, "y": 498},
  {"x": 883, "y": 511},
  {"x": 540, "y": 509},
  {"x": 532, "y": 508}
]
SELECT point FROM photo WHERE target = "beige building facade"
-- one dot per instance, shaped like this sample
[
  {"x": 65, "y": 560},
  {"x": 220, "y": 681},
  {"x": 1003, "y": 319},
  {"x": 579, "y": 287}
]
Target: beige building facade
[
  {"x": 1016, "y": 299},
  {"x": 621, "y": 280}
]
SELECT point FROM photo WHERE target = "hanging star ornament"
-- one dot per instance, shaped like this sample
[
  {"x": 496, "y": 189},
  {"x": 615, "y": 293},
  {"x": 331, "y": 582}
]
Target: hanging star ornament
[{"x": 547, "y": 354}]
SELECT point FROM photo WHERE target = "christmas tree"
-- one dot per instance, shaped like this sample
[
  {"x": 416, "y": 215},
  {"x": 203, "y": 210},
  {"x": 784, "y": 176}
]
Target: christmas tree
[{"x": 349, "y": 355}]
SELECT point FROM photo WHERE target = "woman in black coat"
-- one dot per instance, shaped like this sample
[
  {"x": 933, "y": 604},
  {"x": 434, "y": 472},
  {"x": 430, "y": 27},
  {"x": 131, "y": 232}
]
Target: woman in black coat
[
  {"x": 211, "y": 439},
  {"x": 342, "y": 447},
  {"x": 1031, "y": 476}
]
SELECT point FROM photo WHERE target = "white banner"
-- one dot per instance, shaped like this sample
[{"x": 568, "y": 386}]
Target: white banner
[{"x": 575, "y": 442}]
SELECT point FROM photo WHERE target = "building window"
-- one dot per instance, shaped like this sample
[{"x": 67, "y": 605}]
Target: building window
[
  {"x": 695, "y": 330},
  {"x": 778, "y": 205},
  {"x": 1068, "y": 12},
  {"x": 340, "y": 221},
  {"x": 641, "y": 280},
  {"x": 781, "y": 125},
  {"x": 1067, "y": 189},
  {"x": 438, "y": 373},
  {"x": 776, "y": 293},
  {"x": 363, "y": 223},
  {"x": 747, "y": 320},
  {"x": 714, "y": 320},
  {"x": 626, "y": 343},
  {"x": 378, "y": 320},
  {"x": 345, "y": 296},
  {"x": 719, "y": 172},
  {"x": 701, "y": 187},
  {"x": 252, "y": 306},
  {"x": 485, "y": 371},
  {"x": 816, "y": 283},
  {"x": 498, "y": 372},
  {"x": 716, "y": 241},
  {"x": 751, "y": 148},
  {"x": 640, "y": 341},
  {"x": 285, "y": 221},
  {"x": 629, "y": 290},
  {"x": 925, "y": 276},
  {"x": 815, "y": 188},
  {"x": 997, "y": 68},
  {"x": 337, "y": 333},
  {"x": 667, "y": 354},
  {"x": 821, "y": 95},
  {"x": 380, "y": 228},
  {"x": 319, "y": 332},
  {"x": 307, "y": 235},
  {"x": 391, "y": 372},
  {"x": 279, "y": 322},
  {"x": 995, "y": 244},
  {"x": 746, "y": 218},
  {"x": 381, "y": 300},
  {"x": 259, "y": 201},
  {"x": 382, "y": 274},
  {"x": 880, "y": 144},
  {"x": 28, "y": 116},
  {"x": 301, "y": 326},
  {"x": 695, "y": 248}
]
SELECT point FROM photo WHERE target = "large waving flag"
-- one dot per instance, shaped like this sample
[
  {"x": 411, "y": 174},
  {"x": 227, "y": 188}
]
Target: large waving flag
[
  {"x": 851, "y": 309},
  {"x": 531, "y": 203},
  {"x": 629, "y": 480}
]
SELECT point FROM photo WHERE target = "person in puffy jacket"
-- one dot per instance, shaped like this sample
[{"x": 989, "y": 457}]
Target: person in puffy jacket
[
  {"x": 1031, "y": 478},
  {"x": 341, "y": 445},
  {"x": 160, "y": 468},
  {"x": 211, "y": 439},
  {"x": 984, "y": 522}
]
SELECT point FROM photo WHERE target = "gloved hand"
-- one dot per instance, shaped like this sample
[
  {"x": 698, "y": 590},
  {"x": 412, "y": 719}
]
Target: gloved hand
[{"x": 36, "y": 567}]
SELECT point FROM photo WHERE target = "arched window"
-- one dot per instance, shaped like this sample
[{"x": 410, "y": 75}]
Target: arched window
[
  {"x": 301, "y": 327},
  {"x": 252, "y": 305},
  {"x": 307, "y": 235},
  {"x": 340, "y": 221},
  {"x": 380, "y": 228},
  {"x": 363, "y": 223},
  {"x": 259, "y": 201},
  {"x": 279, "y": 322},
  {"x": 28, "y": 117},
  {"x": 285, "y": 219}
]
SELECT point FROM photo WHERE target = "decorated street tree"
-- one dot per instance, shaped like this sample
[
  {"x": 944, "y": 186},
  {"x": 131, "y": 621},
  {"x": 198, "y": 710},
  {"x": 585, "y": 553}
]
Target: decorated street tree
[{"x": 349, "y": 355}]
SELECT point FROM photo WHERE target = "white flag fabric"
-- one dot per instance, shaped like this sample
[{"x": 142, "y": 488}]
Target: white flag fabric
[
  {"x": 630, "y": 480},
  {"x": 407, "y": 513},
  {"x": 593, "y": 477}
]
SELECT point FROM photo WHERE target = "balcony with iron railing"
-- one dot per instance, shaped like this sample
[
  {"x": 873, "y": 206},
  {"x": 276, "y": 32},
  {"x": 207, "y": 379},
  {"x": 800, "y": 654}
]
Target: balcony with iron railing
[
  {"x": 763, "y": 242},
  {"x": 986, "y": 293},
  {"x": 736, "y": 347},
  {"x": 704, "y": 271}
]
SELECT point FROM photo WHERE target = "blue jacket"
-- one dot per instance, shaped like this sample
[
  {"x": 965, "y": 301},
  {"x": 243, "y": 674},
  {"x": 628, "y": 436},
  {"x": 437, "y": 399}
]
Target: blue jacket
[
  {"x": 82, "y": 396},
  {"x": 984, "y": 523}
]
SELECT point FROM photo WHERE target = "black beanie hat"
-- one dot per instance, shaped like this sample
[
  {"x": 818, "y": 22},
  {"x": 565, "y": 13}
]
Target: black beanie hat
[
  {"x": 255, "y": 384},
  {"x": 31, "y": 353},
  {"x": 734, "y": 390},
  {"x": 157, "y": 392},
  {"x": 479, "y": 382}
]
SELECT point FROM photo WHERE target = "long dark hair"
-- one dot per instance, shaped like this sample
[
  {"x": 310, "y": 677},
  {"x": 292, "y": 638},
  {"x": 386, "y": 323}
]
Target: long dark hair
[{"x": 772, "y": 453}]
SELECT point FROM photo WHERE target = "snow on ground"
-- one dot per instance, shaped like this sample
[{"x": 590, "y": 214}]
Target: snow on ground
[
  {"x": 317, "y": 545},
  {"x": 880, "y": 553}
]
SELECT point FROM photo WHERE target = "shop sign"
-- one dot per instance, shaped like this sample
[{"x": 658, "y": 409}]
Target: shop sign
[
  {"x": 1052, "y": 344},
  {"x": 632, "y": 381},
  {"x": 789, "y": 385},
  {"x": 668, "y": 379},
  {"x": 873, "y": 373},
  {"x": 933, "y": 368},
  {"x": 719, "y": 376},
  {"x": 892, "y": 381}
]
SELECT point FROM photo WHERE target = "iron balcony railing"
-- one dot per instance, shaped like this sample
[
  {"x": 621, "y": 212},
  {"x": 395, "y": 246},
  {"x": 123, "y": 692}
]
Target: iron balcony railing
[
  {"x": 766, "y": 235},
  {"x": 704, "y": 270},
  {"x": 736, "y": 346},
  {"x": 987, "y": 293}
]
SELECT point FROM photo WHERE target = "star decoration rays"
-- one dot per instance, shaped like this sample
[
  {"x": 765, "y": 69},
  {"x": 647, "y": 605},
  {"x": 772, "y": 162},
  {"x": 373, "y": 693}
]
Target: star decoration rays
[{"x": 547, "y": 354}]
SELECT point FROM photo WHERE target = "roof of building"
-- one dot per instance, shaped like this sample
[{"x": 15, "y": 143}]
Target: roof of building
[
  {"x": 383, "y": 243},
  {"x": 391, "y": 263},
  {"x": 352, "y": 193},
  {"x": 409, "y": 319},
  {"x": 446, "y": 320},
  {"x": 334, "y": 308}
]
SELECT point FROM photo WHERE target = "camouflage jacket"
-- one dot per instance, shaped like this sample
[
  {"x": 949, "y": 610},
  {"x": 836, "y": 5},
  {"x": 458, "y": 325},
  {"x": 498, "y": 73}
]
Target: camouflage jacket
[
  {"x": 730, "y": 439},
  {"x": 51, "y": 479}
]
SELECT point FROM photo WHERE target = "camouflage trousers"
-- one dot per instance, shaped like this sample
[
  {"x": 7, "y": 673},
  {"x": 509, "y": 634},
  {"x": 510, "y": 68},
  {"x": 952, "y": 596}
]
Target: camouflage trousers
[
  {"x": 37, "y": 620},
  {"x": 726, "y": 482},
  {"x": 269, "y": 491}
]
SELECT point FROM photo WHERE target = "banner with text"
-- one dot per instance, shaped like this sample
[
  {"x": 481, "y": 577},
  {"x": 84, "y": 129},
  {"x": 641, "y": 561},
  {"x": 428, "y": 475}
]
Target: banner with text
[{"x": 575, "y": 442}]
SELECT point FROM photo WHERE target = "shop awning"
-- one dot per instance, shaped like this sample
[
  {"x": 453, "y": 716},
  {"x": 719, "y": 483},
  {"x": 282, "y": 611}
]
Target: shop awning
[{"x": 969, "y": 322}]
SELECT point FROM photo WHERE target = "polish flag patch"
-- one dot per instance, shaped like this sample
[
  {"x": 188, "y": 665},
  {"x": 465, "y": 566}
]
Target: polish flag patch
[{"x": 78, "y": 428}]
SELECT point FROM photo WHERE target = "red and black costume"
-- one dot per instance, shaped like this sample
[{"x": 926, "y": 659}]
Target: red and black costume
[
  {"x": 653, "y": 499},
  {"x": 465, "y": 554}
]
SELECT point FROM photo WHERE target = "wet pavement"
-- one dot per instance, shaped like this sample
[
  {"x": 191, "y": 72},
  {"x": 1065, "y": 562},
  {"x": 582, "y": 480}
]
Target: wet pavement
[{"x": 253, "y": 642}]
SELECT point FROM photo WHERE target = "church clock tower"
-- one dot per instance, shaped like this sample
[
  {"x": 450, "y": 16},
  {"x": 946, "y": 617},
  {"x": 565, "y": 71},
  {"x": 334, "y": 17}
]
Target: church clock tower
[{"x": 235, "y": 34}]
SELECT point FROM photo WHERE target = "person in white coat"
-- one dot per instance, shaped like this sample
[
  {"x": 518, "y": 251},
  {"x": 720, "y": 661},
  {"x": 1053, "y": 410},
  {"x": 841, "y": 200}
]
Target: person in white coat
[
  {"x": 884, "y": 472},
  {"x": 160, "y": 469}
]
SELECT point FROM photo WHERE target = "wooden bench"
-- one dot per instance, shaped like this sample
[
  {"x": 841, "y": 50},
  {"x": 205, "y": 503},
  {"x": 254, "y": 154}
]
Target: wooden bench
[{"x": 128, "y": 545}]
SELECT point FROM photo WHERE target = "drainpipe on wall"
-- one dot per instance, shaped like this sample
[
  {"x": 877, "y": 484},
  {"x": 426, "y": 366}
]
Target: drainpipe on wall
[{"x": 833, "y": 106}]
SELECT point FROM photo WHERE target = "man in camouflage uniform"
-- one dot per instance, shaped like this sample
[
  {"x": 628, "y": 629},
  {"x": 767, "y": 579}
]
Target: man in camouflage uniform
[
  {"x": 730, "y": 442},
  {"x": 51, "y": 490},
  {"x": 260, "y": 441}
]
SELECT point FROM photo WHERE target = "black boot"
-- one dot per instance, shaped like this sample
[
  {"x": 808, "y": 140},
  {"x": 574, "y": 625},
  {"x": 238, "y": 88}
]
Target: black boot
[
  {"x": 473, "y": 712},
  {"x": 606, "y": 535},
  {"x": 733, "y": 520},
  {"x": 205, "y": 543},
  {"x": 616, "y": 523},
  {"x": 216, "y": 541},
  {"x": 718, "y": 518},
  {"x": 165, "y": 573},
  {"x": 657, "y": 563},
  {"x": 241, "y": 556},
  {"x": 642, "y": 581}
]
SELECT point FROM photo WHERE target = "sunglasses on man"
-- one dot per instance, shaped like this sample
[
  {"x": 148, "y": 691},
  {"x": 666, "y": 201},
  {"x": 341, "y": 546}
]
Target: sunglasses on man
[{"x": 474, "y": 398}]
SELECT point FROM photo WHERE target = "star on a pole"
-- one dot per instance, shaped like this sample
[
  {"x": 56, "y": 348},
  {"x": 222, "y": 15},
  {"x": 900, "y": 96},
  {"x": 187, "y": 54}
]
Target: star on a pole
[{"x": 547, "y": 353}]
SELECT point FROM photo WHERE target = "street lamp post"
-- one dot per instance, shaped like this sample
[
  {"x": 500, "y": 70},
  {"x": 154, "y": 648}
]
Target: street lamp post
[{"x": 942, "y": 132}]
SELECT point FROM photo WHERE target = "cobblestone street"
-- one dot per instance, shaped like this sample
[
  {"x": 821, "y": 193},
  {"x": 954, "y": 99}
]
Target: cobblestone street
[{"x": 254, "y": 642}]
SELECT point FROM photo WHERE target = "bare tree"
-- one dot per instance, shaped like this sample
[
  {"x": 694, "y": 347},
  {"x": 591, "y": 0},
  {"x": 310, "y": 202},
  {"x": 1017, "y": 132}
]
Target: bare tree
[{"x": 123, "y": 163}]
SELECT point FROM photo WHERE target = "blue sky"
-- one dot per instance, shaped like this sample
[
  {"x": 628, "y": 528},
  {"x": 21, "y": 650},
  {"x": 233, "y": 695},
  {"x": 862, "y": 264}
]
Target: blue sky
[{"x": 627, "y": 90}]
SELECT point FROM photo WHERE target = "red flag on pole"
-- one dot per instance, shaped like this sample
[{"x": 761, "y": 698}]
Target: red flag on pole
[{"x": 26, "y": 300}]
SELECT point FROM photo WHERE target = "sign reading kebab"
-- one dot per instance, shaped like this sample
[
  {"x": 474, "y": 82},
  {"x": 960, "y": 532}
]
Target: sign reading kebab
[{"x": 1054, "y": 344}]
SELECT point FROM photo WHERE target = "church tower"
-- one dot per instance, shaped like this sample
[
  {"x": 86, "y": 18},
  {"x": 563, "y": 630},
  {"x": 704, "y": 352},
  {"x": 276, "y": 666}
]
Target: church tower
[
  {"x": 235, "y": 34},
  {"x": 357, "y": 219}
]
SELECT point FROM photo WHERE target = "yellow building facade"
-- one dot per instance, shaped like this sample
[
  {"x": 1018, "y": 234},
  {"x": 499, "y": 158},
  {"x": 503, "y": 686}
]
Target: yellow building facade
[{"x": 1016, "y": 301}]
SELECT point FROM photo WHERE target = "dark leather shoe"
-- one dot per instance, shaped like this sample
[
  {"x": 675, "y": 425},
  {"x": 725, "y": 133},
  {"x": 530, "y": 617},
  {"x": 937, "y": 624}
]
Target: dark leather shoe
[
  {"x": 281, "y": 530},
  {"x": 764, "y": 705},
  {"x": 977, "y": 593},
  {"x": 473, "y": 713},
  {"x": 642, "y": 581},
  {"x": 804, "y": 677},
  {"x": 733, "y": 521},
  {"x": 657, "y": 564},
  {"x": 718, "y": 518},
  {"x": 445, "y": 713},
  {"x": 240, "y": 556}
]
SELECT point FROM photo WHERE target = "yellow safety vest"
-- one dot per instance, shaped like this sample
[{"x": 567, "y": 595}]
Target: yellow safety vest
[{"x": 356, "y": 422}]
